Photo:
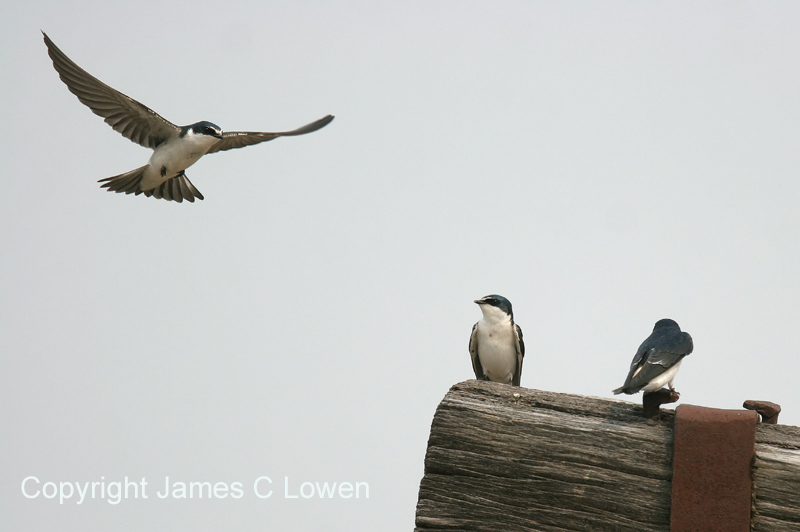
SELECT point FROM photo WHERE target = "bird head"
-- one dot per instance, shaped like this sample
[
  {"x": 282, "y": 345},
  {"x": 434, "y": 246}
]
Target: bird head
[
  {"x": 206, "y": 128},
  {"x": 666, "y": 323},
  {"x": 494, "y": 304}
]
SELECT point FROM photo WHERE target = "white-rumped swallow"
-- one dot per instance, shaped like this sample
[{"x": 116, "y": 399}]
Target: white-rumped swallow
[
  {"x": 658, "y": 359},
  {"x": 496, "y": 344},
  {"x": 175, "y": 148}
]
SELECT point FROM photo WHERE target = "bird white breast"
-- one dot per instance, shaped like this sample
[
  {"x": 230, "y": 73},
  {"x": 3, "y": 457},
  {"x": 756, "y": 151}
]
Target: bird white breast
[
  {"x": 659, "y": 382},
  {"x": 176, "y": 155},
  {"x": 497, "y": 349}
]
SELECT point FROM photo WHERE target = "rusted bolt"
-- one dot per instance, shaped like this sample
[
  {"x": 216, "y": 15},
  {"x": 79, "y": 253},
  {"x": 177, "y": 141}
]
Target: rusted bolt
[
  {"x": 652, "y": 401},
  {"x": 768, "y": 411}
]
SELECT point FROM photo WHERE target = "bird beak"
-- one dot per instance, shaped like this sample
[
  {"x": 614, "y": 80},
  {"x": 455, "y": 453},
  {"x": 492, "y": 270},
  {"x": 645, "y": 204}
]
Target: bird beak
[
  {"x": 480, "y": 301},
  {"x": 218, "y": 134}
]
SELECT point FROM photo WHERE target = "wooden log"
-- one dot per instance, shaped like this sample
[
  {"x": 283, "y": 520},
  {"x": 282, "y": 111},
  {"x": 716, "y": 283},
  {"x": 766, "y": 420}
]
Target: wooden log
[
  {"x": 508, "y": 458},
  {"x": 776, "y": 479}
]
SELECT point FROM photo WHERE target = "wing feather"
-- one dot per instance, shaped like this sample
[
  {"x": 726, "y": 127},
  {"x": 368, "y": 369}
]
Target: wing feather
[
  {"x": 239, "y": 139},
  {"x": 473, "y": 352},
  {"x": 133, "y": 120},
  {"x": 520, "y": 354},
  {"x": 659, "y": 352}
]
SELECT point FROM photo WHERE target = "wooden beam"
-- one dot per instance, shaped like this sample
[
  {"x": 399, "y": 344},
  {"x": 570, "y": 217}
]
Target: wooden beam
[
  {"x": 776, "y": 479},
  {"x": 509, "y": 458}
]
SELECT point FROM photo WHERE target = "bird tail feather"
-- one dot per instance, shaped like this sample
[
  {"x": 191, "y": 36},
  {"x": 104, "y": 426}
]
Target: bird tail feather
[
  {"x": 127, "y": 182},
  {"x": 177, "y": 189}
]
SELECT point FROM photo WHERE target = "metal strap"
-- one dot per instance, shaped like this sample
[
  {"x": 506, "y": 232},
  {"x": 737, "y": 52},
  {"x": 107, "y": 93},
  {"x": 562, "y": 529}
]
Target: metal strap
[{"x": 711, "y": 469}]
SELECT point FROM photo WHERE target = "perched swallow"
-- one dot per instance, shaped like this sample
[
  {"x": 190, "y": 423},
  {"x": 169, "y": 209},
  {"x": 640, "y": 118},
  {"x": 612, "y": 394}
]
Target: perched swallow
[
  {"x": 175, "y": 148},
  {"x": 658, "y": 359},
  {"x": 496, "y": 344}
]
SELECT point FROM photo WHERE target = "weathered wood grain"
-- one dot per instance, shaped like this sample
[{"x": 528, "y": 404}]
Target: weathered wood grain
[
  {"x": 776, "y": 478},
  {"x": 508, "y": 458}
]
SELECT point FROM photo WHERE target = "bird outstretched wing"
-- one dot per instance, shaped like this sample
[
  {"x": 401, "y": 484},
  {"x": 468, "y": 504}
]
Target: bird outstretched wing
[
  {"x": 239, "y": 139},
  {"x": 133, "y": 120}
]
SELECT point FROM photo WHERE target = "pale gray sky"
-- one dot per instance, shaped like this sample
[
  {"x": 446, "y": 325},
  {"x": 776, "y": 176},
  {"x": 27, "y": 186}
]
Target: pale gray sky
[{"x": 602, "y": 166}]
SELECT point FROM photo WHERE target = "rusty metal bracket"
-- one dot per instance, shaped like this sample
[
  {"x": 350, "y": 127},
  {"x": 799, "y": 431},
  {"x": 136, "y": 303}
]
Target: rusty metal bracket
[
  {"x": 768, "y": 411},
  {"x": 711, "y": 469},
  {"x": 652, "y": 401}
]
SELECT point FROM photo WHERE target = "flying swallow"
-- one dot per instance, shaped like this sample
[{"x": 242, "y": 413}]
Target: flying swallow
[
  {"x": 496, "y": 344},
  {"x": 658, "y": 359},
  {"x": 175, "y": 148}
]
